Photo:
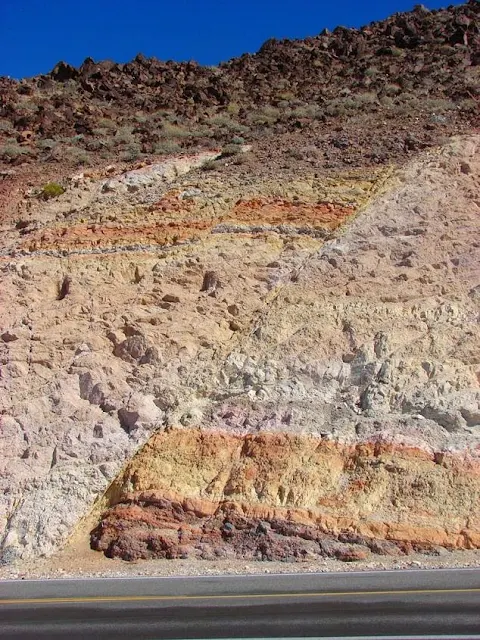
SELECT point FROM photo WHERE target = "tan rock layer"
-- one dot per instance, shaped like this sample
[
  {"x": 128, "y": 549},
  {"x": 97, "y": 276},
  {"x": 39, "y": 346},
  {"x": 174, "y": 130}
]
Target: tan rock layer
[{"x": 375, "y": 490}]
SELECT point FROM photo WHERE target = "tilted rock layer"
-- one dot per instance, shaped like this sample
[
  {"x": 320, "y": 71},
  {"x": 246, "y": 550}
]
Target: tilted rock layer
[
  {"x": 318, "y": 344},
  {"x": 282, "y": 496},
  {"x": 243, "y": 321}
]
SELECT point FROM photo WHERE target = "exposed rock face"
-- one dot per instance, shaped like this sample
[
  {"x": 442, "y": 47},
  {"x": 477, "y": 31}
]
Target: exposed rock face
[
  {"x": 369, "y": 336},
  {"x": 191, "y": 493},
  {"x": 301, "y": 305}
]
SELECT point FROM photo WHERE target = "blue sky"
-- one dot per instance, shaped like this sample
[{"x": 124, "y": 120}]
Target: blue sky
[{"x": 36, "y": 34}]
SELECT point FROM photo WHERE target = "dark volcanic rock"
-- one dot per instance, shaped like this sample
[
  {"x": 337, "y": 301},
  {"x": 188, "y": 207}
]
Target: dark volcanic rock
[{"x": 401, "y": 68}]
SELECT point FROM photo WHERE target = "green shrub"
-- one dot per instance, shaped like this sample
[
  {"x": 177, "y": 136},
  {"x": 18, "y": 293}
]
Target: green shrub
[
  {"x": 224, "y": 121},
  {"x": 124, "y": 135},
  {"x": 170, "y": 130},
  {"x": 6, "y": 126},
  {"x": 439, "y": 105},
  {"x": 78, "y": 138},
  {"x": 230, "y": 150},
  {"x": 47, "y": 143},
  {"x": 99, "y": 144},
  {"x": 167, "y": 147},
  {"x": 11, "y": 151},
  {"x": 309, "y": 152},
  {"x": 233, "y": 108},
  {"x": 307, "y": 111},
  {"x": 392, "y": 89},
  {"x": 76, "y": 156},
  {"x": 141, "y": 118},
  {"x": 106, "y": 123},
  {"x": 288, "y": 96},
  {"x": 51, "y": 190},
  {"x": 210, "y": 165},
  {"x": 468, "y": 104},
  {"x": 132, "y": 152},
  {"x": 362, "y": 99},
  {"x": 267, "y": 116}
]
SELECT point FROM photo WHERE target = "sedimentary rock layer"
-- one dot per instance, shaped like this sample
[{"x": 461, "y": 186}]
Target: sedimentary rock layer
[
  {"x": 282, "y": 496},
  {"x": 369, "y": 334}
]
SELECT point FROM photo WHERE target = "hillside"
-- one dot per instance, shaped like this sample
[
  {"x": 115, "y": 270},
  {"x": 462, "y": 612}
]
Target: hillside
[{"x": 247, "y": 308}]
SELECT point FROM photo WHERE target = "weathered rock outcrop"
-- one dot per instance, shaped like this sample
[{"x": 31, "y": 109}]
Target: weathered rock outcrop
[
  {"x": 191, "y": 493},
  {"x": 281, "y": 319},
  {"x": 367, "y": 335}
]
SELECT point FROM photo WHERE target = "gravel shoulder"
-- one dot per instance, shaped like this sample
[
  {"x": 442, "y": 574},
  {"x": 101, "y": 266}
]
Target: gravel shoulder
[{"x": 84, "y": 563}]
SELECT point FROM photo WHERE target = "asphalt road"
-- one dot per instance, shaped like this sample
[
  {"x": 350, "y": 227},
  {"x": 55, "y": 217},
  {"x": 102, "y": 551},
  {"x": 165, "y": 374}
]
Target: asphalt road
[{"x": 349, "y": 605}]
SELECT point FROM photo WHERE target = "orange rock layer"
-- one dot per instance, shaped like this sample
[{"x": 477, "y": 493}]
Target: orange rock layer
[
  {"x": 363, "y": 494},
  {"x": 172, "y": 220}
]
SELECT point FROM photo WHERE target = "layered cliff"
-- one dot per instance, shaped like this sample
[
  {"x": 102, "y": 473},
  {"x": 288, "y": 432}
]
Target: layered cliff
[
  {"x": 354, "y": 321},
  {"x": 208, "y": 494},
  {"x": 264, "y": 345}
]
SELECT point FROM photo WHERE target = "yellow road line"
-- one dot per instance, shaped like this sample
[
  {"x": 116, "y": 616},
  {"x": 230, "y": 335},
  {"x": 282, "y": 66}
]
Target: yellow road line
[{"x": 324, "y": 594}]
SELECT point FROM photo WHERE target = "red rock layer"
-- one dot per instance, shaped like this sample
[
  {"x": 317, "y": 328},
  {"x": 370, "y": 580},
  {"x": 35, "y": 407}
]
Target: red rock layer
[
  {"x": 173, "y": 220},
  {"x": 152, "y": 526},
  {"x": 277, "y": 211},
  {"x": 280, "y": 496}
]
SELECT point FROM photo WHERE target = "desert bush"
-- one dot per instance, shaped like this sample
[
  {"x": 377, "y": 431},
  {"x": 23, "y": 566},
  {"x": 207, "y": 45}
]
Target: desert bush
[
  {"x": 51, "y": 190},
  {"x": 468, "y": 105},
  {"x": 6, "y": 126},
  {"x": 76, "y": 156},
  {"x": 309, "y": 152},
  {"x": 47, "y": 143},
  {"x": 124, "y": 135},
  {"x": 132, "y": 152},
  {"x": 210, "y": 165},
  {"x": 392, "y": 89},
  {"x": 439, "y": 105},
  {"x": 12, "y": 151},
  {"x": 171, "y": 130},
  {"x": 266, "y": 115},
  {"x": 220, "y": 120},
  {"x": 233, "y": 108},
  {"x": 240, "y": 158},
  {"x": 102, "y": 132},
  {"x": 230, "y": 150},
  {"x": 387, "y": 102},
  {"x": 307, "y": 111},
  {"x": 287, "y": 96},
  {"x": 167, "y": 147},
  {"x": 26, "y": 106},
  {"x": 357, "y": 101},
  {"x": 141, "y": 118},
  {"x": 106, "y": 123},
  {"x": 224, "y": 121},
  {"x": 335, "y": 107},
  {"x": 97, "y": 144}
]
